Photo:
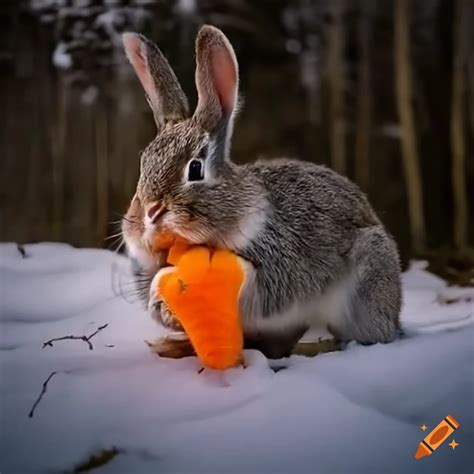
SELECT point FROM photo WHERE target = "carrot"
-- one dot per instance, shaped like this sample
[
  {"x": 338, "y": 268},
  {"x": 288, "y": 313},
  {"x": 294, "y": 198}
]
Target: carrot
[
  {"x": 175, "y": 245},
  {"x": 203, "y": 295},
  {"x": 163, "y": 241}
]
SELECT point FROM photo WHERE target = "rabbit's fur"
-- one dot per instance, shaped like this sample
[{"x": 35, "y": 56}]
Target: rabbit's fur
[{"x": 313, "y": 249}]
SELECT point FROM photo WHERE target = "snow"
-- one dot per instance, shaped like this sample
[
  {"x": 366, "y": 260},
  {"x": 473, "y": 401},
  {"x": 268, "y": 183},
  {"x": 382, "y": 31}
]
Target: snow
[
  {"x": 45, "y": 4},
  {"x": 90, "y": 95},
  {"x": 85, "y": 30},
  {"x": 61, "y": 58},
  {"x": 359, "y": 410},
  {"x": 186, "y": 7}
]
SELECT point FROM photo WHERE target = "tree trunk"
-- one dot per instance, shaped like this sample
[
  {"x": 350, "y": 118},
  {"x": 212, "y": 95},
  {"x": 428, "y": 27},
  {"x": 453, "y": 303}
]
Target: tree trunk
[
  {"x": 410, "y": 157},
  {"x": 471, "y": 91},
  {"x": 336, "y": 86},
  {"x": 102, "y": 169},
  {"x": 362, "y": 139},
  {"x": 470, "y": 65},
  {"x": 58, "y": 154},
  {"x": 457, "y": 128}
]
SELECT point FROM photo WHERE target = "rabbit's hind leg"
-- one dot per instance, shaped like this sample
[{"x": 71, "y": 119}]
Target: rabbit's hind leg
[
  {"x": 275, "y": 344},
  {"x": 374, "y": 306}
]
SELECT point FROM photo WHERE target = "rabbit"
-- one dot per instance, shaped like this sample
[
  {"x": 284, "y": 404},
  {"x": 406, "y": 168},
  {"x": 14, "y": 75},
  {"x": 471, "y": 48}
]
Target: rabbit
[{"x": 314, "y": 251}]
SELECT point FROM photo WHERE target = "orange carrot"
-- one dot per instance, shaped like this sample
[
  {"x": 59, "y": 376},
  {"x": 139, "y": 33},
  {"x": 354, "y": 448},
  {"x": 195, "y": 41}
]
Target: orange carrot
[
  {"x": 174, "y": 244},
  {"x": 203, "y": 295},
  {"x": 164, "y": 240}
]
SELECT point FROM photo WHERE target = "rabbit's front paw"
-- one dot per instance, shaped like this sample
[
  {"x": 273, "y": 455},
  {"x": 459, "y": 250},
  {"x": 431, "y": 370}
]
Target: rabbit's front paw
[
  {"x": 159, "y": 311},
  {"x": 163, "y": 315},
  {"x": 173, "y": 346}
]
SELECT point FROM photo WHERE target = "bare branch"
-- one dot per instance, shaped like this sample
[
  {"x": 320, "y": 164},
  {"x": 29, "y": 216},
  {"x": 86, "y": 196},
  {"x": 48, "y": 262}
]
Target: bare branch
[
  {"x": 43, "y": 391},
  {"x": 86, "y": 339}
]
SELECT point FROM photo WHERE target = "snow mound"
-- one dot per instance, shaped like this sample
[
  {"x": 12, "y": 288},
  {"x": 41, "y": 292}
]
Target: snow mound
[{"x": 359, "y": 410}]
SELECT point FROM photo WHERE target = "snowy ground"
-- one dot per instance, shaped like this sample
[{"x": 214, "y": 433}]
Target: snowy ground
[{"x": 346, "y": 412}]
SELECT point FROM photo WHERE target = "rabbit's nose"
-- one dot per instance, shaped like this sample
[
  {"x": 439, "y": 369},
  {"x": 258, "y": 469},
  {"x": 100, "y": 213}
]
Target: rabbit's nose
[{"x": 156, "y": 211}]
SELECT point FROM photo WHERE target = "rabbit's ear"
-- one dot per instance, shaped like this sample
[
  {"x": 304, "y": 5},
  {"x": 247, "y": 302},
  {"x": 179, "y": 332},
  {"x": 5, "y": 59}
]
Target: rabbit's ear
[
  {"x": 162, "y": 89},
  {"x": 217, "y": 81}
]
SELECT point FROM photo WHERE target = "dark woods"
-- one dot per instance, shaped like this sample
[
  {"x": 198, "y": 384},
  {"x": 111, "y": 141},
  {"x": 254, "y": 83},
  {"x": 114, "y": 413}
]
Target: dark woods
[{"x": 383, "y": 91}]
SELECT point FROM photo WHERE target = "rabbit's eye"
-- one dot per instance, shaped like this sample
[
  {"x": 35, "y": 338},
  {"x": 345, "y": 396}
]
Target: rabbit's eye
[{"x": 195, "y": 170}]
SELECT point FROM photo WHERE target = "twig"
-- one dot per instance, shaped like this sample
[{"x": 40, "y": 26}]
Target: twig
[
  {"x": 43, "y": 391},
  {"x": 86, "y": 339},
  {"x": 98, "y": 459},
  {"x": 22, "y": 250},
  {"x": 100, "y": 328}
]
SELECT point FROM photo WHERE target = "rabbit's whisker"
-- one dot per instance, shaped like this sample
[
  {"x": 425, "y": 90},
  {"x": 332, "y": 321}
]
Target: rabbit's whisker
[{"x": 118, "y": 234}]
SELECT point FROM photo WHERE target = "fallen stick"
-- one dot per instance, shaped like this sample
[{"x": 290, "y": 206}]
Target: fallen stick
[
  {"x": 22, "y": 250},
  {"x": 86, "y": 339},
  {"x": 43, "y": 391}
]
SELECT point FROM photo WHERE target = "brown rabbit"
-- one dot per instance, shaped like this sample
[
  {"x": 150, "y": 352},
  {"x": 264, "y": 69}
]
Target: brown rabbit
[{"x": 313, "y": 248}]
